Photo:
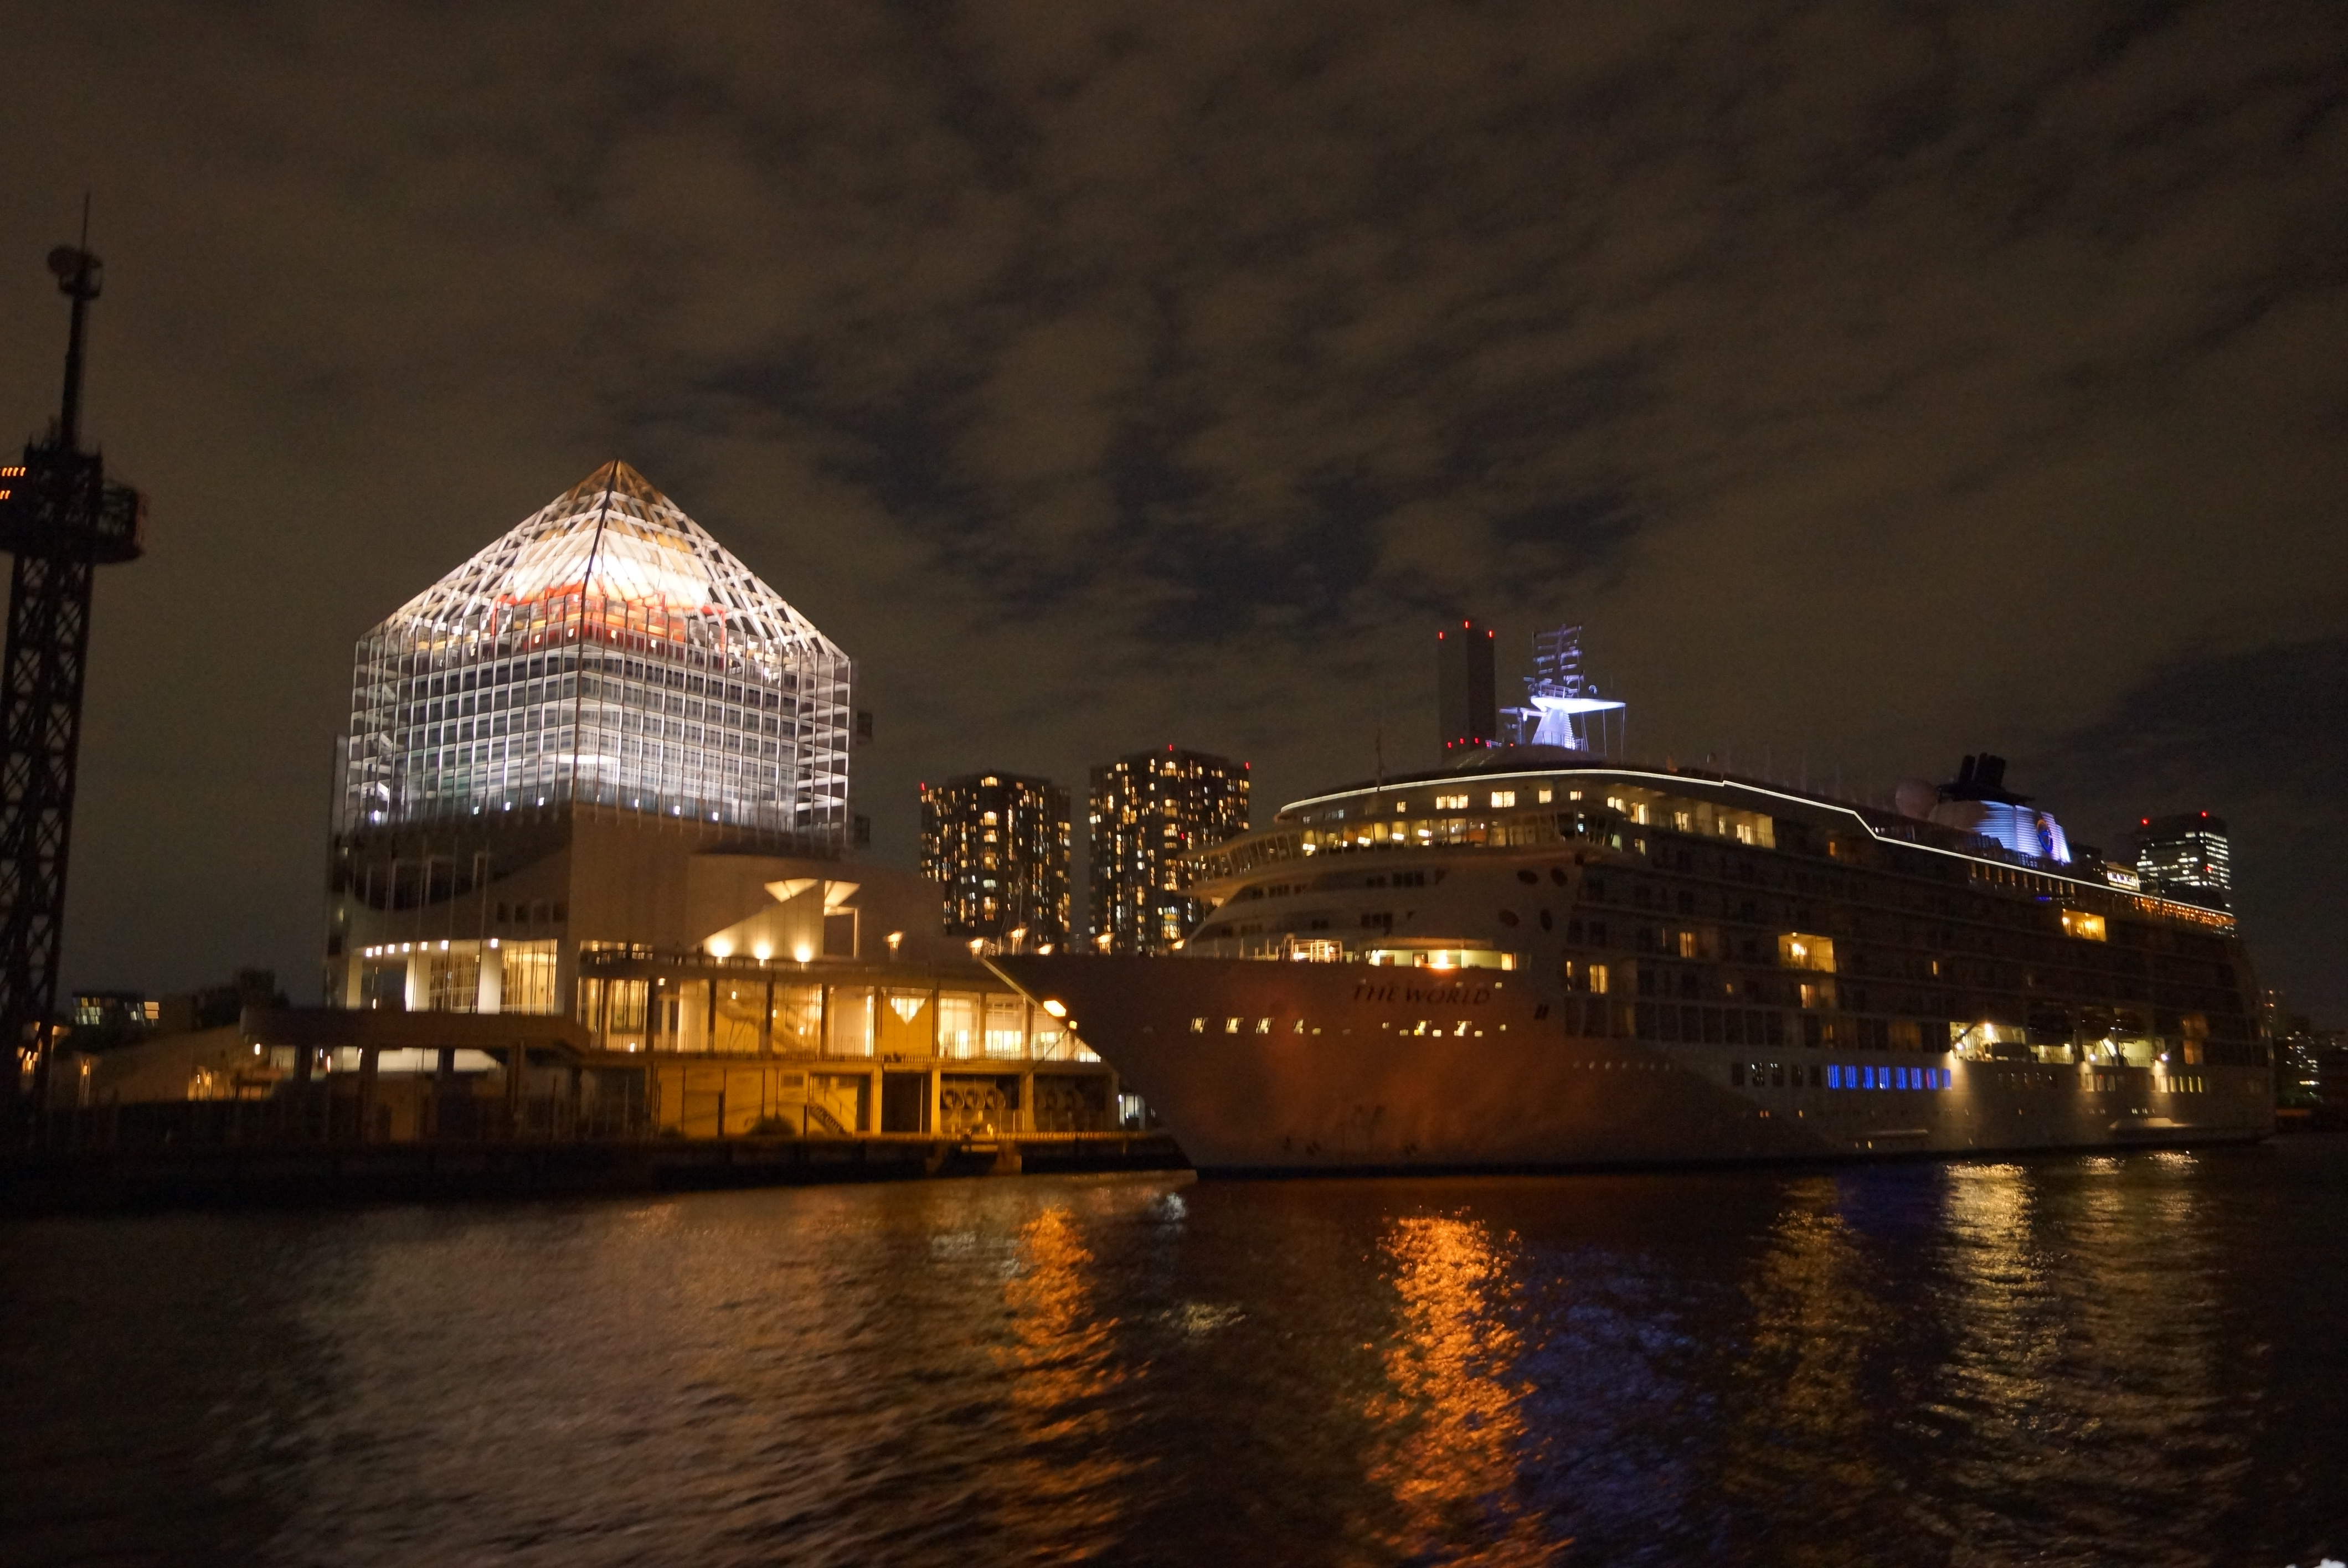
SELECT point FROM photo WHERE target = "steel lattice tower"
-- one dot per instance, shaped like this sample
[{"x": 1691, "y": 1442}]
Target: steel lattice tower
[{"x": 62, "y": 521}]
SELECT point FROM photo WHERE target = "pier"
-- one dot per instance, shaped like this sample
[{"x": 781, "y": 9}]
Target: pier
[{"x": 284, "y": 1152}]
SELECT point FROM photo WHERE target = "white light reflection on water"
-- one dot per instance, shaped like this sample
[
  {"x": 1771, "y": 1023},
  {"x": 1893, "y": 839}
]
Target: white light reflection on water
[{"x": 2079, "y": 1386}]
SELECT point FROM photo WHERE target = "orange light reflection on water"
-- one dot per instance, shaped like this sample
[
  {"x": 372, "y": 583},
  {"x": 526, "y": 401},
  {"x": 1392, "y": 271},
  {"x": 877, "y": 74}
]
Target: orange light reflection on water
[
  {"x": 1449, "y": 1419},
  {"x": 1058, "y": 1358}
]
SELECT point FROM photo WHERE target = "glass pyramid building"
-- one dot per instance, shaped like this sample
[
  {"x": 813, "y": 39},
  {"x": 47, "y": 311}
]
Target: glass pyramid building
[{"x": 606, "y": 649}]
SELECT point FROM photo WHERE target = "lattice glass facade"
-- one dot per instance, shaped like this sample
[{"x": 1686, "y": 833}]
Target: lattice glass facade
[{"x": 607, "y": 650}]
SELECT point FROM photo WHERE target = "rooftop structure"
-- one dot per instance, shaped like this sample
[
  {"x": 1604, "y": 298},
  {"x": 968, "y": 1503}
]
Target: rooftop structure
[
  {"x": 1978, "y": 801},
  {"x": 1149, "y": 811},
  {"x": 997, "y": 843},
  {"x": 1562, "y": 707},
  {"x": 605, "y": 650}
]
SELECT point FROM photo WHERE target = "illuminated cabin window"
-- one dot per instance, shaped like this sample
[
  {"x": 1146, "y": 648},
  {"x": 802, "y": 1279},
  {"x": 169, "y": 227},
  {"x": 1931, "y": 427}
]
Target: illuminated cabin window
[
  {"x": 1443, "y": 957},
  {"x": 1796, "y": 951},
  {"x": 1451, "y": 802},
  {"x": 1504, "y": 797},
  {"x": 2079, "y": 923}
]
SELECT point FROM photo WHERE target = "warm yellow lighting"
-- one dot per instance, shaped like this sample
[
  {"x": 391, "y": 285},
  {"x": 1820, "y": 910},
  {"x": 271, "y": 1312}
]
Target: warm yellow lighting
[
  {"x": 1796, "y": 951},
  {"x": 719, "y": 947},
  {"x": 2079, "y": 923},
  {"x": 802, "y": 953},
  {"x": 1055, "y": 1008},
  {"x": 762, "y": 952}
]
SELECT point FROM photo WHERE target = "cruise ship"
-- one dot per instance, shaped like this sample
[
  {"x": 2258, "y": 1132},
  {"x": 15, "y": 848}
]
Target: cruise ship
[{"x": 1546, "y": 960}]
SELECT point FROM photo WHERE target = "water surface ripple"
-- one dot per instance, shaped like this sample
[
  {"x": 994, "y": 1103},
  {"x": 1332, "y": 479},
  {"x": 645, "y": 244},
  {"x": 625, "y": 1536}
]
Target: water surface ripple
[{"x": 2124, "y": 1359}]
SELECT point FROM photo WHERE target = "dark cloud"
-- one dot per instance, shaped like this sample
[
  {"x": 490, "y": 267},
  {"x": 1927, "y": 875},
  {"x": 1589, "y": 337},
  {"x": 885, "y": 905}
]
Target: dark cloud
[{"x": 1878, "y": 383}]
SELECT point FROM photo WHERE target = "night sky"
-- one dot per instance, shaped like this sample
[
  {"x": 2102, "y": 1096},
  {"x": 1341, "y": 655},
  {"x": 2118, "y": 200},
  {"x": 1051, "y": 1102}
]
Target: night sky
[{"x": 1876, "y": 383}]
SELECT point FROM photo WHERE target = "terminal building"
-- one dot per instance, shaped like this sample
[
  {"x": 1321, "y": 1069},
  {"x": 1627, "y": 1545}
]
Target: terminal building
[
  {"x": 1149, "y": 811},
  {"x": 997, "y": 846},
  {"x": 599, "y": 777}
]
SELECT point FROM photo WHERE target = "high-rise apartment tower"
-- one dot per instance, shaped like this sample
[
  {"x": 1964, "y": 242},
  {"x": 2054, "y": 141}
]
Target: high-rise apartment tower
[
  {"x": 1148, "y": 810},
  {"x": 998, "y": 846}
]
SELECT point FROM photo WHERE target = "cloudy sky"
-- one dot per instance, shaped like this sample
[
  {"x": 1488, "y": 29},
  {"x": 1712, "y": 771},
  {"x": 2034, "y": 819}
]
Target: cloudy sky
[{"x": 1876, "y": 383}]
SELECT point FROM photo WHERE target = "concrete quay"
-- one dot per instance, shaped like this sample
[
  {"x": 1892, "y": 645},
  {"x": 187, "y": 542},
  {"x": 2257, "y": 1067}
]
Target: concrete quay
[{"x": 93, "y": 1173}]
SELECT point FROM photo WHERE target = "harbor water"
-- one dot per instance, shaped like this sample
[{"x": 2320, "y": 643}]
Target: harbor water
[{"x": 2132, "y": 1359}]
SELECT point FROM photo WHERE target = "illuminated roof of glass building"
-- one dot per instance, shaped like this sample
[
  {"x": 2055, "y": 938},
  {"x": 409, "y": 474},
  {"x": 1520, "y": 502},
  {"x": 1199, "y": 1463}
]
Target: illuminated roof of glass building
[
  {"x": 606, "y": 649},
  {"x": 613, "y": 536}
]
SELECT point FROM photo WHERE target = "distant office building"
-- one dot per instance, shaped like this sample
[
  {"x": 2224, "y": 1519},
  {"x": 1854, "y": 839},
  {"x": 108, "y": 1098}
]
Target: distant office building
[
  {"x": 997, "y": 843},
  {"x": 2186, "y": 858},
  {"x": 119, "y": 1010},
  {"x": 1148, "y": 810},
  {"x": 1466, "y": 695}
]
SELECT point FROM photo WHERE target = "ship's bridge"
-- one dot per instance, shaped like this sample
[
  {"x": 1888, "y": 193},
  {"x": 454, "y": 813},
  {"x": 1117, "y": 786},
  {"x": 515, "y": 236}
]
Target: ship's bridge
[{"x": 1477, "y": 810}]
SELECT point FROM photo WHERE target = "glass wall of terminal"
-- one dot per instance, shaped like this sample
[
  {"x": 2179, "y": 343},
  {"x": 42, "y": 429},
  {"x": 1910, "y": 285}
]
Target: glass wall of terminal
[
  {"x": 607, "y": 650},
  {"x": 754, "y": 1011}
]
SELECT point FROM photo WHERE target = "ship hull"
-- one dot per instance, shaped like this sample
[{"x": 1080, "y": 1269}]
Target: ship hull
[{"x": 1293, "y": 1067}]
